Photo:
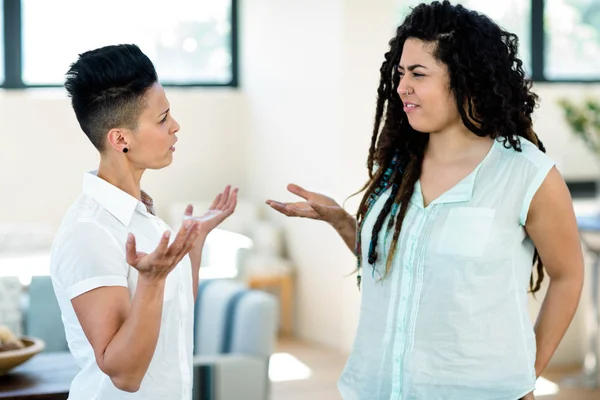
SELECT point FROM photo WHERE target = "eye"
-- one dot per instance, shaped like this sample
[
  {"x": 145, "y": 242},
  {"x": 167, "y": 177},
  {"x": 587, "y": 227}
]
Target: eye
[
  {"x": 162, "y": 121},
  {"x": 417, "y": 74}
]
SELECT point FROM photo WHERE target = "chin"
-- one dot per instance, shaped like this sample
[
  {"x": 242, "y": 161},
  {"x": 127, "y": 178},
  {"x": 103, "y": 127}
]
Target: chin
[
  {"x": 160, "y": 165},
  {"x": 420, "y": 128}
]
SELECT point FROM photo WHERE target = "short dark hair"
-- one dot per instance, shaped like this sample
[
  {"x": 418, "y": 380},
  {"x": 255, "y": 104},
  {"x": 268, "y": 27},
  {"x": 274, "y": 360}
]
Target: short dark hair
[{"x": 107, "y": 88}]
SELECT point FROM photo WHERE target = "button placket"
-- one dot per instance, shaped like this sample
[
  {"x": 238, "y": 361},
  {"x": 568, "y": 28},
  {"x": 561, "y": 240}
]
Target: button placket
[{"x": 407, "y": 278}]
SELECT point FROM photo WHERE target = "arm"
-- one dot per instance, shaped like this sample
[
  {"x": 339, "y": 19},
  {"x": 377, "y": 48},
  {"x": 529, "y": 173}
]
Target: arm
[
  {"x": 124, "y": 334},
  {"x": 320, "y": 207},
  {"x": 552, "y": 226},
  {"x": 346, "y": 228},
  {"x": 196, "y": 260},
  {"x": 220, "y": 209}
]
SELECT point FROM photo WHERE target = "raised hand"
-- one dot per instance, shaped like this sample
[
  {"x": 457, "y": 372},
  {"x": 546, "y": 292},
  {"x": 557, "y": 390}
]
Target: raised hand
[
  {"x": 317, "y": 206},
  {"x": 158, "y": 264},
  {"x": 222, "y": 207}
]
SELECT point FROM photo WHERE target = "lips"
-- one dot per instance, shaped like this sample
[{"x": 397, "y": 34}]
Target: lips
[{"x": 410, "y": 107}]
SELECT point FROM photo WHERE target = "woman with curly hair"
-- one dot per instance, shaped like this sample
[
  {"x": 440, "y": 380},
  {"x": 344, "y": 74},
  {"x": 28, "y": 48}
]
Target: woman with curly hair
[{"x": 461, "y": 201}]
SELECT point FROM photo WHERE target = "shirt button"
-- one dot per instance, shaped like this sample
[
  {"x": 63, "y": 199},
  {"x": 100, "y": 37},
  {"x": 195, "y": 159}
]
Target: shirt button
[
  {"x": 181, "y": 288},
  {"x": 185, "y": 392},
  {"x": 181, "y": 323},
  {"x": 182, "y": 358}
]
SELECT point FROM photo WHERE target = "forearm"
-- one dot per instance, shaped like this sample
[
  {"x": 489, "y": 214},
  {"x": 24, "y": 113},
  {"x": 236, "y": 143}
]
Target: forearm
[
  {"x": 196, "y": 259},
  {"x": 347, "y": 230},
  {"x": 554, "y": 318},
  {"x": 128, "y": 354}
]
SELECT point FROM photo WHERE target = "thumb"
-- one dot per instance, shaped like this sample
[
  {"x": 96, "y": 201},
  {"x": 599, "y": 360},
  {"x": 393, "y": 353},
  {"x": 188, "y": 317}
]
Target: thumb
[
  {"x": 130, "y": 252},
  {"x": 299, "y": 191},
  {"x": 319, "y": 208}
]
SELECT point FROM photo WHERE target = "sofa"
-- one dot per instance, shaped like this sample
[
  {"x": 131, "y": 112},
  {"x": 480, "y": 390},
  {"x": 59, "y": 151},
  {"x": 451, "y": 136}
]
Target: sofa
[{"x": 234, "y": 336}]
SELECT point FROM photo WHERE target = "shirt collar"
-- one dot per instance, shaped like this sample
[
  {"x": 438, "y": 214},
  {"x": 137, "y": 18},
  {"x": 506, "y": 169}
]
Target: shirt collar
[
  {"x": 120, "y": 204},
  {"x": 461, "y": 192}
]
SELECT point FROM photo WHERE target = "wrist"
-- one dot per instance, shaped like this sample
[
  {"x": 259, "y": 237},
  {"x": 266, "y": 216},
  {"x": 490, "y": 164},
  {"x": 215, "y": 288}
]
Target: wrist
[
  {"x": 151, "y": 282},
  {"x": 196, "y": 251},
  {"x": 344, "y": 223}
]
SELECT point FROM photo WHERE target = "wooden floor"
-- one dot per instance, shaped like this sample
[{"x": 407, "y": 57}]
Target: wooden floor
[{"x": 318, "y": 382}]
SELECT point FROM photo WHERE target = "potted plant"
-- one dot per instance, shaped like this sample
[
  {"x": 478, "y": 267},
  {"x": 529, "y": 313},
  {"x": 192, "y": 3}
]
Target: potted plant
[{"x": 584, "y": 120}]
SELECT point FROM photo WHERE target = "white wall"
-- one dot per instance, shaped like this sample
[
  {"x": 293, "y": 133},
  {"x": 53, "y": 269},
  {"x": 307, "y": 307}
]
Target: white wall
[
  {"x": 44, "y": 153},
  {"x": 292, "y": 80},
  {"x": 367, "y": 27}
]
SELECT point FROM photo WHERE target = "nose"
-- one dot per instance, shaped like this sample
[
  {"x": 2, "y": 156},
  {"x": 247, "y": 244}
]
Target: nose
[
  {"x": 175, "y": 127},
  {"x": 402, "y": 89}
]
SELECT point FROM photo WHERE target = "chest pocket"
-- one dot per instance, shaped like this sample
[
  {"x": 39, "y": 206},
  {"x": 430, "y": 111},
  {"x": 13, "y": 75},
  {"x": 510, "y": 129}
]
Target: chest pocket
[{"x": 466, "y": 231}]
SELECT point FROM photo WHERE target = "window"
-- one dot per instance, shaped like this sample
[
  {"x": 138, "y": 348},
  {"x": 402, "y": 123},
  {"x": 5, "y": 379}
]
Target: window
[
  {"x": 190, "y": 42},
  {"x": 572, "y": 29},
  {"x": 1, "y": 48},
  {"x": 559, "y": 40}
]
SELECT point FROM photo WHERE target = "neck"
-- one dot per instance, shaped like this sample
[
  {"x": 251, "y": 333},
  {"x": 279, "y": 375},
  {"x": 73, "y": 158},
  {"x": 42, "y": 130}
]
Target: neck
[
  {"x": 120, "y": 173},
  {"x": 455, "y": 143}
]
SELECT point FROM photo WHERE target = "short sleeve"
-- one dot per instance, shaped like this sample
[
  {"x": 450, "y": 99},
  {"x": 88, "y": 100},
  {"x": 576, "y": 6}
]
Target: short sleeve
[
  {"x": 540, "y": 166},
  {"x": 88, "y": 257}
]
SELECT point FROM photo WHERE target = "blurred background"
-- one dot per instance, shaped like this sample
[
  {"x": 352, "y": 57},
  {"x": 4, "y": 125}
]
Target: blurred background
[{"x": 267, "y": 93}]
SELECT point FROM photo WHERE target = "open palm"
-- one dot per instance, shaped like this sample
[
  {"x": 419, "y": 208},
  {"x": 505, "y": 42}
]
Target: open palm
[
  {"x": 316, "y": 206},
  {"x": 222, "y": 207}
]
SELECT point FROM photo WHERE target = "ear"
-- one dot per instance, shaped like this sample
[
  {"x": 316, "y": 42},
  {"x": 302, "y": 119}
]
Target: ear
[{"x": 118, "y": 139}]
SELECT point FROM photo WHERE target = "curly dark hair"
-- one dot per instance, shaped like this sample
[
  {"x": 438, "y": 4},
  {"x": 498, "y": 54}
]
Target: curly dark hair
[{"x": 489, "y": 80}]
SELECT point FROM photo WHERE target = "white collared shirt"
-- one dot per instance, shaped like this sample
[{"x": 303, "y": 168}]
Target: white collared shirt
[
  {"x": 450, "y": 321},
  {"x": 89, "y": 252}
]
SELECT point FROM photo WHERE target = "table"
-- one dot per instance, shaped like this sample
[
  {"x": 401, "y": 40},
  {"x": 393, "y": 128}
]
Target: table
[
  {"x": 46, "y": 376},
  {"x": 285, "y": 284}
]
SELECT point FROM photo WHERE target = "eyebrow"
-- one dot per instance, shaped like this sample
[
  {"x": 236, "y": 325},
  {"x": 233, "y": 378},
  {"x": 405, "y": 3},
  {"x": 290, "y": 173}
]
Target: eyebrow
[
  {"x": 412, "y": 67},
  {"x": 164, "y": 112}
]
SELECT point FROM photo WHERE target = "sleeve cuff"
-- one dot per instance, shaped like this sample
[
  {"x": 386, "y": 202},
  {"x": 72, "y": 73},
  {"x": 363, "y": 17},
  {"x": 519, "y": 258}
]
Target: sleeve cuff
[
  {"x": 532, "y": 190},
  {"x": 94, "y": 283}
]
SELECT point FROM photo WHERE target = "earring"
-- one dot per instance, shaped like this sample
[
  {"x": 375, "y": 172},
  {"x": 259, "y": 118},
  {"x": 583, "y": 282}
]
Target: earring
[{"x": 125, "y": 150}]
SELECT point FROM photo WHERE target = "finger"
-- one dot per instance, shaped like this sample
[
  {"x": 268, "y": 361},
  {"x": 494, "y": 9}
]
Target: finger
[
  {"x": 130, "y": 252},
  {"x": 224, "y": 198},
  {"x": 215, "y": 202},
  {"x": 305, "y": 212},
  {"x": 188, "y": 242},
  {"x": 163, "y": 244},
  {"x": 177, "y": 244},
  {"x": 319, "y": 209},
  {"x": 281, "y": 207},
  {"x": 299, "y": 191},
  {"x": 230, "y": 207},
  {"x": 189, "y": 211}
]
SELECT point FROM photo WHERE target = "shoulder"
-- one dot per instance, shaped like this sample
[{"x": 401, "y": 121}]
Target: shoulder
[
  {"x": 530, "y": 155},
  {"x": 86, "y": 231},
  {"x": 87, "y": 217}
]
